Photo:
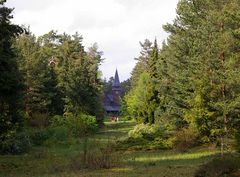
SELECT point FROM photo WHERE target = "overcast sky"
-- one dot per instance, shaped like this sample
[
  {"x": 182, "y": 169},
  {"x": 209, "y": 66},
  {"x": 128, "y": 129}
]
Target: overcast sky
[{"x": 116, "y": 25}]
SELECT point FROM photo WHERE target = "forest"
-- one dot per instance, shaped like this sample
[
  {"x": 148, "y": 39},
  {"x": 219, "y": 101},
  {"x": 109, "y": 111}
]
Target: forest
[{"x": 180, "y": 111}]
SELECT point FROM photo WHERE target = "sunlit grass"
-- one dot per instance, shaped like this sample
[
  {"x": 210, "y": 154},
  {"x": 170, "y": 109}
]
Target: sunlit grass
[
  {"x": 178, "y": 156},
  {"x": 54, "y": 160}
]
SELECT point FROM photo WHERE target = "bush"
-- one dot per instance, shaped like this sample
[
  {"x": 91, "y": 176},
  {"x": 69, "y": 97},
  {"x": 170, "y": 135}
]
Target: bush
[
  {"x": 79, "y": 126},
  {"x": 59, "y": 134},
  {"x": 220, "y": 167},
  {"x": 15, "y": 143},
  {"x": 50, "y": 135},
  {"x": 147, "y": 137},
  {"x": 39, "y": 136},
  {"x": 143, "y": 131},
  {"x": 184, "y": 140},
  {"x": 83, "y": 125},
  {"x": 62, "y": 128}
]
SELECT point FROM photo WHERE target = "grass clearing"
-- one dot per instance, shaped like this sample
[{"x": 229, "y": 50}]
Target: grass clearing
[{"x": 60, "y": 159}]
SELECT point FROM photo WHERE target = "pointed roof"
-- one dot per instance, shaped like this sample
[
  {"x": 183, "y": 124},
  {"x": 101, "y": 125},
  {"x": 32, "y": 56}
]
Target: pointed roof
[{"x": 116, "y": 82}]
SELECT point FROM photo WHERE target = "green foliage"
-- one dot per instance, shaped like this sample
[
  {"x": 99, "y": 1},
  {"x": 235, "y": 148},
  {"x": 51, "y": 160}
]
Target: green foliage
[
  {"x": 15, "y": 143},
  {"x": 10, "y": 81},
  {"x": 67, "y": 160},
  {"x": 60, "y": 134},
  {"x": 107, "y": 85},
  {"x": 143, "y": 62},
  {"x": 59, "y": 75},
  {"x": 126, "y": 86},
  {"x": 142, "y": 131},
  {"x": 39, "y": 136},
  {"x": 140, "y": 101},
  {"x": 147, "y": 137},
  {"x": 193, "y": 81},
  {"x": 153, "y": 61},
  {"x": 80, "y": 125},
  {"x": 185, "y": 139}
]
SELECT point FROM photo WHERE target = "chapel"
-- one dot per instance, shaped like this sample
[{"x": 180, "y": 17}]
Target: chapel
[{"x": 112, "y": 100}]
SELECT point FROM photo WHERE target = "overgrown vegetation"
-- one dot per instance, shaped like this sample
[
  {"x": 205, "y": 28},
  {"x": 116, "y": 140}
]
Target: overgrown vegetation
[
  {"x": 48, "y": 82},
  {"x": 147, "y": 137},
  {"x": 96, "y": 155},
  {"x": 182, "y": 95},
  {"x": 59, "y": 131},
  {"x": 66, "y": 158},
  {"x": 191, "y": 84}
]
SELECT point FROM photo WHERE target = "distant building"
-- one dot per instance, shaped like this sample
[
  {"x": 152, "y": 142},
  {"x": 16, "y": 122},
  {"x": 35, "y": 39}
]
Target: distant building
[{"x": 112, "y": 102}]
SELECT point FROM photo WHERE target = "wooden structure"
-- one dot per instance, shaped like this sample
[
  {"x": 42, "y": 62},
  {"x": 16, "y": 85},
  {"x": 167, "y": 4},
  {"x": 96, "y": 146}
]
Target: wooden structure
[{"x": 112, "y": 102}]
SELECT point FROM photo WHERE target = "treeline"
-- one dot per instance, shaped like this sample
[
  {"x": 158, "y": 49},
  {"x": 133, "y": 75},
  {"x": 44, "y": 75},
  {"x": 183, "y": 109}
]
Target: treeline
[
  {"x": 192, "y": 84},
  {"x": 45, "y": 76},
  {"x": 59, "y": 75}
]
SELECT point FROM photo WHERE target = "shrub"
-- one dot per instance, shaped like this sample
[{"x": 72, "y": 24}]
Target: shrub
[
  {"x": 39, "y": 136},
  {"x": 60, "y": 133},
  {"x": 147, "y": 137},
  {"x": 162, "y": 143},
  {"x": 57, "y": 120},
  {"x": 142, "y": 130},
  {"x": 184, "y": 139},
  {"x": 83, "y": 125},
  {"x": 51, "y": 135},
  {"x": 219, "y": 167},
  {"x": 80, "y": 125},
  {"x": 15, "y": 143}
]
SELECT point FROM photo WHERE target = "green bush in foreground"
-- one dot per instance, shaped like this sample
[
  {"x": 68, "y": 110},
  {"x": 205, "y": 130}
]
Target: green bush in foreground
[
  {"x": 147, "y": 137},
  {"x": 15, "y": 143},
  {"x": 80, "y": 125}
]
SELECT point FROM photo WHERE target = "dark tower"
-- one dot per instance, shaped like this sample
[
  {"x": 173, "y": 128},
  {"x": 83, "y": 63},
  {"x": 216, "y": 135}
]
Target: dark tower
[
  {"x": 112, "y": 101},
  {"x": 116, "y": 88}
]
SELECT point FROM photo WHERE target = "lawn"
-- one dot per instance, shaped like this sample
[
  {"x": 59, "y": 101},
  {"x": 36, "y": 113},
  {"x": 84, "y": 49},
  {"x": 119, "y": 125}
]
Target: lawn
[{"x": 62, "y": 159}]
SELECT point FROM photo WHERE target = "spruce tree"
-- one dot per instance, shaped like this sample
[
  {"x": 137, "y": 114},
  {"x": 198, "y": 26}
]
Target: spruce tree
[
  {"x": 201, "y": 59},
  {"x": 10, "y": 80}
]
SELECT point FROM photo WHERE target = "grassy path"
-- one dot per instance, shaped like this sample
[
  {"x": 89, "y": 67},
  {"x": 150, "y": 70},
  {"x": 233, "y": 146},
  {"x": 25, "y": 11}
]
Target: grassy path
[
  {"x": 151, "y": 163},
  {"x": 58, "y": 160}
]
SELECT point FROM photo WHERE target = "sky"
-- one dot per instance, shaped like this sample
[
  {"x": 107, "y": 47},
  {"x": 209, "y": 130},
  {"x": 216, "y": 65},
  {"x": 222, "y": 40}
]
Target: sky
[{"x": 117, "y": 26}]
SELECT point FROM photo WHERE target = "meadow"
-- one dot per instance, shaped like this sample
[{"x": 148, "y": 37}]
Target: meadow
[{"x": 65, "y": 158}]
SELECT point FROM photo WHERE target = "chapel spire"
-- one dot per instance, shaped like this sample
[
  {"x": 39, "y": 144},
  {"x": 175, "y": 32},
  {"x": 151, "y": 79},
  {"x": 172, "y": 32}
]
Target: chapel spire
[{"x": 116, "y": 82}]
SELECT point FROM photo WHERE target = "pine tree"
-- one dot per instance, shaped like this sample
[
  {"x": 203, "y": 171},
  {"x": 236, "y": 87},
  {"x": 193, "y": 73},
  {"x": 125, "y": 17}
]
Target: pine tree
[
  {"x": 10, "y": 79},
  {"x": 143, "y": 99},
  {"x": 37, "y": 65},
  {"x": 153, "y": 60},
  {"x": 201, "y": 62},
  {"x": 142, "y": 61}
]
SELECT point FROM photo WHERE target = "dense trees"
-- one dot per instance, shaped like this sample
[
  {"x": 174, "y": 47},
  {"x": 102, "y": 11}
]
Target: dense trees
[
  {"x": 142, "y": 101},
  {"x": 205, "y": 66},
  {"x": 191, "y": 84},
  {"x": 60, "y": 76},
  {"x": 195, "y": 75},
  {"x": 10, "y": 78},
  {"x": 42, "y": 77}
]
